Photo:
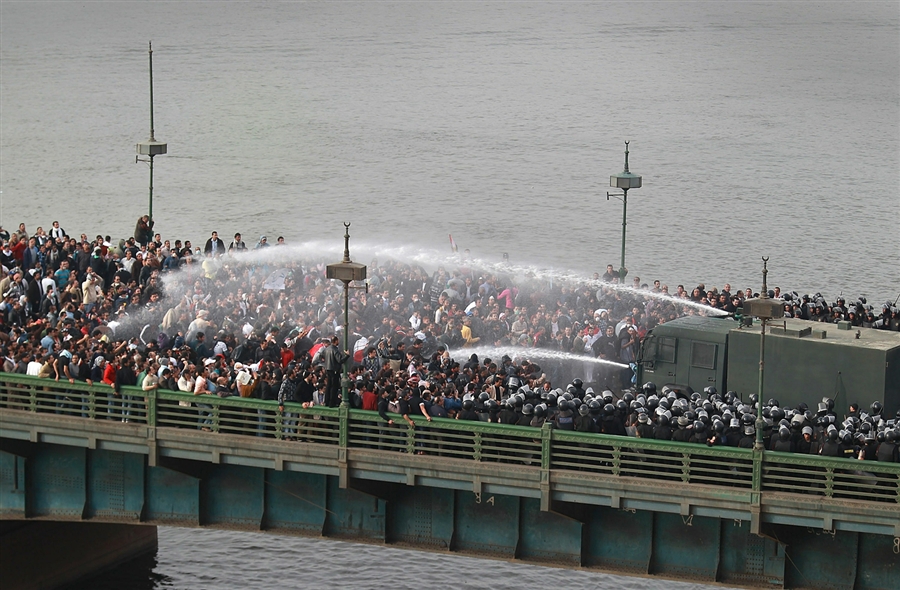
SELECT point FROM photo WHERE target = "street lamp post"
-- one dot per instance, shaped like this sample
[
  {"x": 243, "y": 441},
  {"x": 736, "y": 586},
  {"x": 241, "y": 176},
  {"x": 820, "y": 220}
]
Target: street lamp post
[
  {"x": 624, "y": 180},
  {"x": 346, "y": 271},
  {"x": 765, "y": 308},
  {"x": 151, "y": 147}
]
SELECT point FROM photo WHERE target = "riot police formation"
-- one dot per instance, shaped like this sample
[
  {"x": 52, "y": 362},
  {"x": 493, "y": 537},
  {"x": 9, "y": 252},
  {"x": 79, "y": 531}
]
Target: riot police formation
[{"x": 707, "y": 418}]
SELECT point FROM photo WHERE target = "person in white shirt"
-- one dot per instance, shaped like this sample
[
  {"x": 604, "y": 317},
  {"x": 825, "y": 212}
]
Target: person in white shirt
[{"x": 34, "y": 367}]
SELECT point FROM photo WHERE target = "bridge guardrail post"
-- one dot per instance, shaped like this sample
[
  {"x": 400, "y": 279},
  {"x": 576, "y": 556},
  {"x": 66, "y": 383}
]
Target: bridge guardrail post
[
  {"x": 546, "y": 448},
  {"x": 151, "y": 408},
  {"x": 343, "y": 441},
  {"x": 757, "y": 472},
  {"x": 617, "y": 460},
  {"x": 216, "y": 414},
  {"x": 32, "y": 398},
  {"x": 686, "y": 467},
  {"x": 92, "y": 403},
  {"x": 279, "y": 425},
  {"x": 343, "y": 425},
  {"x": 829, "y": 482},
  {"x": 411, "y": 439},
  {"x": 476, "y": 454},
  {"x": 756, "y": 491}
]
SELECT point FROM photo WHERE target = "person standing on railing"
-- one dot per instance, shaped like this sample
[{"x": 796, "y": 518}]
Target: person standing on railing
[
  {"x": 201, "y": 387},
  {"x": 125, "y": 376},
  {"x": 334, "y": 359},
  {"x": 384, "y": 401},
  {"x": 287, "y": 393},
  {"x": 150, "y": 383},
  {"x": 418, "y": 407}
]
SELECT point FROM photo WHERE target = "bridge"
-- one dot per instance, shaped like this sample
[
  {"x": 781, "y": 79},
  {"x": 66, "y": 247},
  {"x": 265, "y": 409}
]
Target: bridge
[{"x": 618, "y": 504}]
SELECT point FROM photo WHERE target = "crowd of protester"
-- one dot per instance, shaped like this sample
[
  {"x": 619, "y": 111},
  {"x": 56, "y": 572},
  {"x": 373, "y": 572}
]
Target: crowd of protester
[{"x": 457, "y": 342}]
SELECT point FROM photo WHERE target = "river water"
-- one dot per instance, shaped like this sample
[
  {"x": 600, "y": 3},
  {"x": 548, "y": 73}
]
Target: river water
[{"x": 760, "y": 129}]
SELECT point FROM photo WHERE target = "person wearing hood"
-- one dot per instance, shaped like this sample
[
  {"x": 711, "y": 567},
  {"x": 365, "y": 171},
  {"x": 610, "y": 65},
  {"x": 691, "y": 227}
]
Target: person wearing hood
[{"x": 262, "y": 243}]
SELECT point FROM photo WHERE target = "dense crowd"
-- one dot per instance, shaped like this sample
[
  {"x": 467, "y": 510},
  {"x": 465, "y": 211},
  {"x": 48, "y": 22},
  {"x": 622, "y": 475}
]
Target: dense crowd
[{"x": 458, "y": 341}]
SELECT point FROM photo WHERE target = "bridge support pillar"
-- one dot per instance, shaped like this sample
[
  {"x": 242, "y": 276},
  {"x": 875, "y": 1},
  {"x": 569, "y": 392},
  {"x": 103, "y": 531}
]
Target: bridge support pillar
[
  {"x": 45, "y": 554},
  {"x": 548, "y": 537}
]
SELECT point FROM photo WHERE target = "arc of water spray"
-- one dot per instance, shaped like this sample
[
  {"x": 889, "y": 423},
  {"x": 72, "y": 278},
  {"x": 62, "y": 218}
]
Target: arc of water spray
[
  {"x": 532, "y": 353},
  {"x": 180, "y": 282}
]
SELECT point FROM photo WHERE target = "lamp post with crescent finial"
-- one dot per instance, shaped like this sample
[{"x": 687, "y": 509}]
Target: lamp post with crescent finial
[
  {"x": 346, "y": 271},
  {"x": 765, "y": 308},
  {"x": 624, "y": 180}
]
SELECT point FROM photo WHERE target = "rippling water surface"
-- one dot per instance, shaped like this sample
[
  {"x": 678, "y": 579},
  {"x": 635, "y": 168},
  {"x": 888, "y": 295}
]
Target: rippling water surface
[
  {"x": 759, "y": 129},
  {"x": 190, "y": 558}
]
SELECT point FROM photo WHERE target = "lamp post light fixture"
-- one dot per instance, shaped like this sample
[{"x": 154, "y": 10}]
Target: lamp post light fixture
[
  {"x": 624, "y": 180},
  {"x": 346, "y": 271},
  {"x": 151, "y": 147},
  {"x": 765, "y": 308}
]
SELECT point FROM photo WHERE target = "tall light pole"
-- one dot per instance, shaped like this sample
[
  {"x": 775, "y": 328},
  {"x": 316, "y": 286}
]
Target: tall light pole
[
  {"x": 765, "y": 308},
  {"x": 346, "y": 271},
  {"x": 624, "y": 180},
  {"x": 151, "y": 147}
]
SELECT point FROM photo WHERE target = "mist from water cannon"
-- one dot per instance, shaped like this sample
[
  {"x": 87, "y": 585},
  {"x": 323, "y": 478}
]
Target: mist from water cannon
[
  {"x": 178, "y": 285},
  {"x": 521, "y": 353}
]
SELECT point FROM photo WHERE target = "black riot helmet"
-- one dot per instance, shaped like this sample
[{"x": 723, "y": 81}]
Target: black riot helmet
[
  {"x": 649, "y": 388},
  {"x": 468, "y": 404},
  {"x": 577, "y": 383},
  {"x": 877, "y": 408},
  {"x": 528, "y": 409}
]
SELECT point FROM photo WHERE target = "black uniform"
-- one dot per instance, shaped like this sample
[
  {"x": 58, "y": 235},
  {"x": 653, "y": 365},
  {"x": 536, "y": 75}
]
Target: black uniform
[
  {"x": 508, "y": 416},
  {"x": 468, "y": 415},
  {"x": 565, "y": 420},
  {"x": 887, "y": 452},
  {"x": 646, "y": 430},
  {"x": 586, "y": 424},
  {"x": 683, "y": 435},
  {"x": 663, "y": 433},
  {"x": 831, "y": 449},
  {"x": 747, "y": 442},
  {"x": 783, "y": 446}
]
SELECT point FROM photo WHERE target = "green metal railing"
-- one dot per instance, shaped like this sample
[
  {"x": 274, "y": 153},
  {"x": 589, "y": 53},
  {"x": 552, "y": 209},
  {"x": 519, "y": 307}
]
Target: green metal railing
[{"x": 662, "y": 461}]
